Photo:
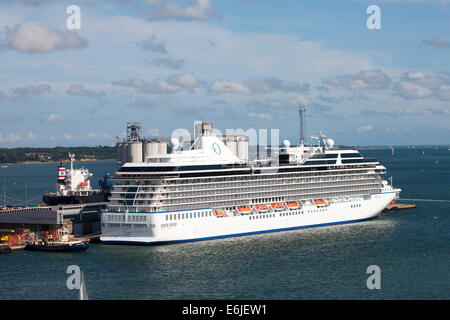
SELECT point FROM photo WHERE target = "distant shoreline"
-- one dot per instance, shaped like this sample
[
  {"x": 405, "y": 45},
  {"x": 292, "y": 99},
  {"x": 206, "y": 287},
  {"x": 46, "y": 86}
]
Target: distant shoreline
[
  {"x": 53, "y": 161},
  {"x": 56, "y": 154}
]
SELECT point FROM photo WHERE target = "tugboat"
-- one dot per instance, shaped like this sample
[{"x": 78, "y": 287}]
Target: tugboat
[
  {"x": 62, "y": 243},
  {"x": 74, "y": 187}
]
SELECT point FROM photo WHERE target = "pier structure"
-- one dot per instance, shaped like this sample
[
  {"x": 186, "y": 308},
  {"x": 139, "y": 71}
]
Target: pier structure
[{"x": 79, "y": 219}]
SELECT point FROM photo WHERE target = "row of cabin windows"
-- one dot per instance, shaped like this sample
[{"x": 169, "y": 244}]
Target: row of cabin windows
[
  {"x": 226, "y": 204},
  {"x": 240, "y": 178},
  {"x": 116, "y": 218},
  {"x": 130, "y": 218},
  {"x": 303, "y": 181},
  {"x": 290, "y": 213},
  {"x": 355, "y": 205},
  {"x": 261, "y": 216},
  {"x": 284, "y": 214},
  {"x": 188, "y": 215},
  {"x": 263, "y": 200},
  {"x": 135, "y": 218}
]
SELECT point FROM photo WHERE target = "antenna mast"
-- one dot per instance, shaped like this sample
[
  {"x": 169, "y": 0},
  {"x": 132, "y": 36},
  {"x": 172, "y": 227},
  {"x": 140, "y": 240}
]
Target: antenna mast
[{"x": 301, "y": 125}]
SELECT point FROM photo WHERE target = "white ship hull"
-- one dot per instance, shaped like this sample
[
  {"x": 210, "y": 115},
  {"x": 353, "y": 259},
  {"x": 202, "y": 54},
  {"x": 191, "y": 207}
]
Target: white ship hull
[{"x": 155, "y": 228}]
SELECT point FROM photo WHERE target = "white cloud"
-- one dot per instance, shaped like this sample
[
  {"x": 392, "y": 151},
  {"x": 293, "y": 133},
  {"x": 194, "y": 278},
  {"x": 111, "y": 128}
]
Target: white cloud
[
  {"x": 31, "y": 136},
  {"x": 436, "y": 42},
  {"x": 443, "y": 93},
  {"x": 185, "y": 80},
  {"x": 152, "y": 44},
  {"x": 38, "y": 37},
  {"x": 10, "y": 137},
  {"x": 372, "y": 79},
  {"x": 366, "y": 128},
  {"x": 265, "y": 116},
  {"x": 78, "y": 90},
  {"x": 24, "y": 93},
  {"x": 418, "y": 85},
  {"x": 439, "y": 112},
  {"x": 171, "y": 85},
  {"x": 163, "y": 10},
  {"x": 169, "y": 63},
  {"x": 258, "y": 86},
  {"x": 97, "y": 135},
  {"x": 153, "y": 132},
  {"x": 51, "y": 118},
  {"x": 411, "y": 90},
  {"x": 268, "y": 85},
  {"x": 227, "y": 86},
  {"x": 281, "y": 103},
  {"x": 236, "y": 55}
]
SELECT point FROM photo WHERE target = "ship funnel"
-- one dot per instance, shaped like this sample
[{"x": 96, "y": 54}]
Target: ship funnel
[{"x": 61, "y": 174}]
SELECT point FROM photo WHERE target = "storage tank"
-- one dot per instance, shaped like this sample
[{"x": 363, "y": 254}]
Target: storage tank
[
  {"x": 231, "y": 144},
  {"x": 154, "y": 147},
  {"x": 162, "y": 147},
  {"x": 135, "y": 151},
  {"x": 119, "y": 159},
  {"x": 124, "y": 153},
  {"x": 150, "y": 148},
  {"x": 242, "y": 148}
]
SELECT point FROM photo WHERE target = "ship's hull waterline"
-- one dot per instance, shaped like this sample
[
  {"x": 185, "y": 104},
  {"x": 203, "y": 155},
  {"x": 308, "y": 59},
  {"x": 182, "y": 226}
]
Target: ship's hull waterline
[{"x": 158, "y": 230}]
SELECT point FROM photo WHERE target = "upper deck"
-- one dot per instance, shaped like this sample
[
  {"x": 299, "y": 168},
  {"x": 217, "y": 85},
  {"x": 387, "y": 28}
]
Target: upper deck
[{"x": 213, "y": 157}]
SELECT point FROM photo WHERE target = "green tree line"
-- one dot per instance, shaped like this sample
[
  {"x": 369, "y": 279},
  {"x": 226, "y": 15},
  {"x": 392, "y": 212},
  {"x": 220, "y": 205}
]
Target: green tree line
[{"x": 15, "y": 155}]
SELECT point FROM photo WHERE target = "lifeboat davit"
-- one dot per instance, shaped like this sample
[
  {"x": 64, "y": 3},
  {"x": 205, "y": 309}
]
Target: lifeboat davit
[
  {"x": 277, "y": 206},
  {"x": 262, "y": 208},
  {"x": 293, "y": 205},
  {"x": 220, "y": 213},
  {"x": 244, "y": 210}
]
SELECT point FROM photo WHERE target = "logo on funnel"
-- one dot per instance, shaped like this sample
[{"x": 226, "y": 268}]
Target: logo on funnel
[{"x": 216, "y": 148}]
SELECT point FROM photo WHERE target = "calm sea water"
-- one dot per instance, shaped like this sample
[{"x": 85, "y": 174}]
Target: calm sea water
[{"x": 411, "y": 247}]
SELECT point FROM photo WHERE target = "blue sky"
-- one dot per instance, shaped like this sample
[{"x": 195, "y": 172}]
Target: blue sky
[{"x": 238, "y": 64}]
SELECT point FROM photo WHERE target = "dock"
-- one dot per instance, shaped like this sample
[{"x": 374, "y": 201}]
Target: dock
[
  {"x": 399, "y": 206},
  {"x": 93, "y": 237},
  {"x": 4, "y": 248}
]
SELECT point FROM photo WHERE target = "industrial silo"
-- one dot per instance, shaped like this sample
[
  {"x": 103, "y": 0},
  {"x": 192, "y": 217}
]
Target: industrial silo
[
  {"x": 119, "y": 160},
  {"x": 145, "y": 150},
  {"x": 125, "y": 153},
  {"x": 162, "y": 147},
  {"x": 242, "y": 148},
  {"x": 150, "y": 148},
  {"x": 135, "y": 151},
  {"x": 154, "y": 147},
  {"x": 231, "y": 144}
]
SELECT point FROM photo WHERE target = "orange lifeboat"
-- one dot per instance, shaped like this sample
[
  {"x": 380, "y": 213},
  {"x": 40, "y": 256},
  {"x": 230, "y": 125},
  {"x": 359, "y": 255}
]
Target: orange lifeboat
[
  {"x": 293, "y": 204},
  {"x": 220, "y": 213},
  {"x": 83, "y": 184},
  {"x": 277, "y": 206},
  {"x": 320, "y": 202},
  {"x": 244, "y": 210},
  {"x": 262, "y": 208}
]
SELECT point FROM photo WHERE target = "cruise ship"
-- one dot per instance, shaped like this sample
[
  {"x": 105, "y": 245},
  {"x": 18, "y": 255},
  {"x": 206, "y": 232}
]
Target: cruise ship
[{"x": 207, "y": 192}]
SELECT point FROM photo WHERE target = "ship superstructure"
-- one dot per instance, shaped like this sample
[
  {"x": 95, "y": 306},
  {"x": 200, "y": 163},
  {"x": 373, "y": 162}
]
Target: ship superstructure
[
  {"x": 208, "y": 192},
  {"x": 74, "y": 187}
]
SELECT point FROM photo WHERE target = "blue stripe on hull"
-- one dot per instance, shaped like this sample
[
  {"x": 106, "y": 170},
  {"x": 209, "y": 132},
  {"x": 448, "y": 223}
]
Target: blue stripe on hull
[{"x": 233, "y": 235}]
